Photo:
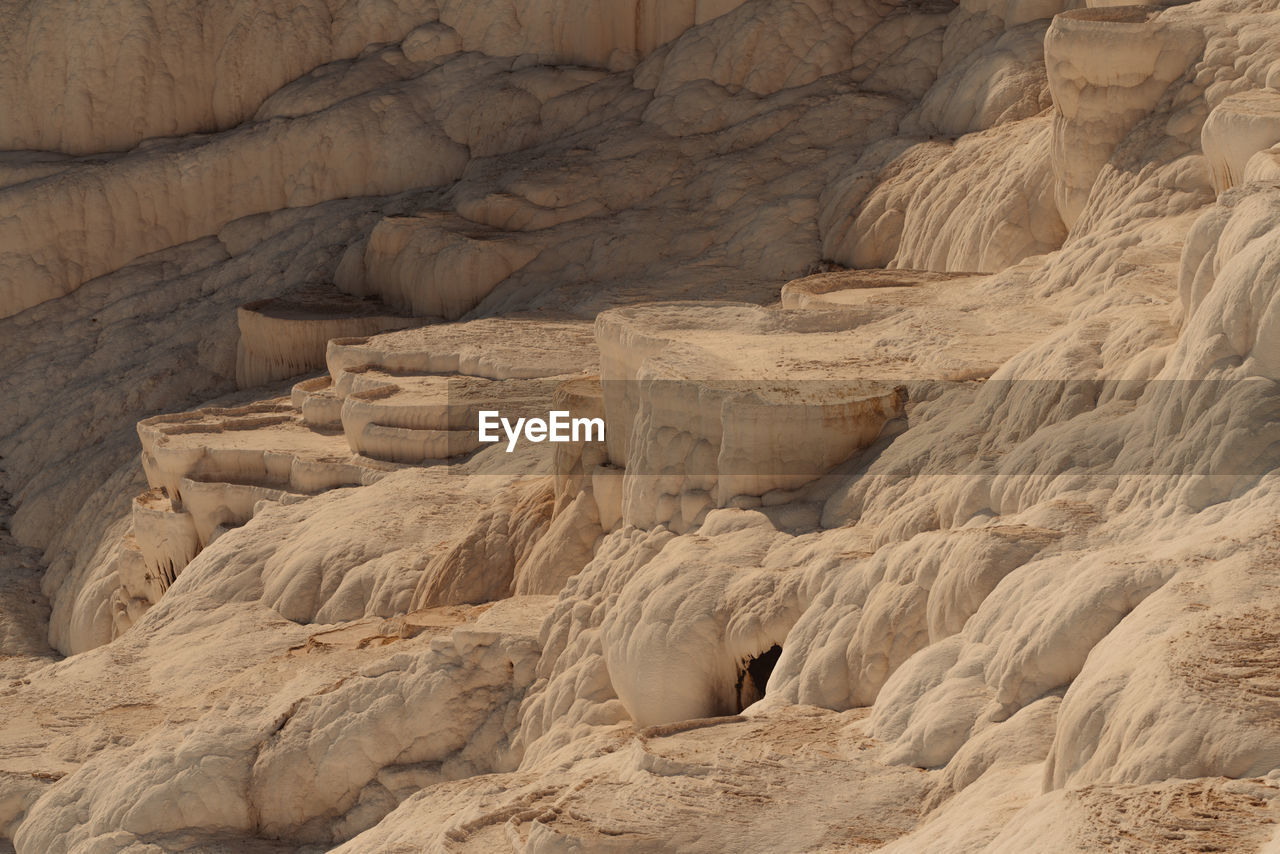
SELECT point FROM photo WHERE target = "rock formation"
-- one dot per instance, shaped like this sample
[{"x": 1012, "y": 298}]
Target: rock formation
[{"x": 935, "y": 350}]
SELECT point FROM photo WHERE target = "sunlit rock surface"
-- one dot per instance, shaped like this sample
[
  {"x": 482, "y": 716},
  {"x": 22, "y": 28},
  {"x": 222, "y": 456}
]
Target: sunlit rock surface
[
  {"x": 287, "y": 336},
  {"x": 935, "y": 348}
]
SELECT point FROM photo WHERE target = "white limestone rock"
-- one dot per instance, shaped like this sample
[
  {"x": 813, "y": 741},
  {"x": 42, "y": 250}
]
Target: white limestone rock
[
  {"x": 167, "y": 540},
  {"x": 1032, "y": 609},
  {"x": 992, "y": 83},
  {"x": 450, "y": 707},
  {"x": 175, "y": 786},
  {"x": 915, "y": 220},
  {"x": 1238, "y": 128},
  {"x": 1108, "y": 68},
  {"x": 697, "y": 430},
  {"x": 678, "y": 637},
  {"x": 287, "y": 336},
  {"x": 197, "y": 186},
  {"x": 433, "y": 265},
  {"x": 484, "y": 563}
]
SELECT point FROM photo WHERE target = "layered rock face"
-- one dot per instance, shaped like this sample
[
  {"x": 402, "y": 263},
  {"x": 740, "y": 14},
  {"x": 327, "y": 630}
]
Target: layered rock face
[{"x": 933, "y": 353}]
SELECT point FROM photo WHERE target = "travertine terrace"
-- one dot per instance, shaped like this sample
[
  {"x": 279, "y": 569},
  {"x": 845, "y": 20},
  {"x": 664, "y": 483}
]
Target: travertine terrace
[{"x": 936, "y": 346}]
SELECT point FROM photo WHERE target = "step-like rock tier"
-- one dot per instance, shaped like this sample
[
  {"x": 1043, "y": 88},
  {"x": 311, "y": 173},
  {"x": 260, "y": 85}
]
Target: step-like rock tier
[
  {"x": 710, "y": 405},
  {"x": 264, "y": 445},
  {"x": 408, "y": 397},
  {"x": 167, "y": 538},
  {"x": 413, "y": 419},
  {"x": 1241, "y": 128},
  {"x": 286, "y": 336},
  {"x": 1108, "y": 68},
  {"x": 874, "y": 291},
  {"x": 512, "y": 347}
]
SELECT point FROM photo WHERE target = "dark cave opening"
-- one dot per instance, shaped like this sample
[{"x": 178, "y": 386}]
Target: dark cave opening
[{"x": 753, "y": 676}]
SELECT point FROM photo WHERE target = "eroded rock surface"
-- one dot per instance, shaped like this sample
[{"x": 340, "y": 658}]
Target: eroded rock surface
[{"x": 936, "y": 353}]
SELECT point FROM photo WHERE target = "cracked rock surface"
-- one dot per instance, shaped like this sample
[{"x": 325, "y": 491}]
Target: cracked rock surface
[{"x": 937, "y": 351}]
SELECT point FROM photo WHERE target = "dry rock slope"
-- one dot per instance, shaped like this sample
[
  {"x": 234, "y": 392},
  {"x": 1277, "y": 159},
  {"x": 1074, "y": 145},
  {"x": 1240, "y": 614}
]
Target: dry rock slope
[{"x": 933, "y": 344}]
